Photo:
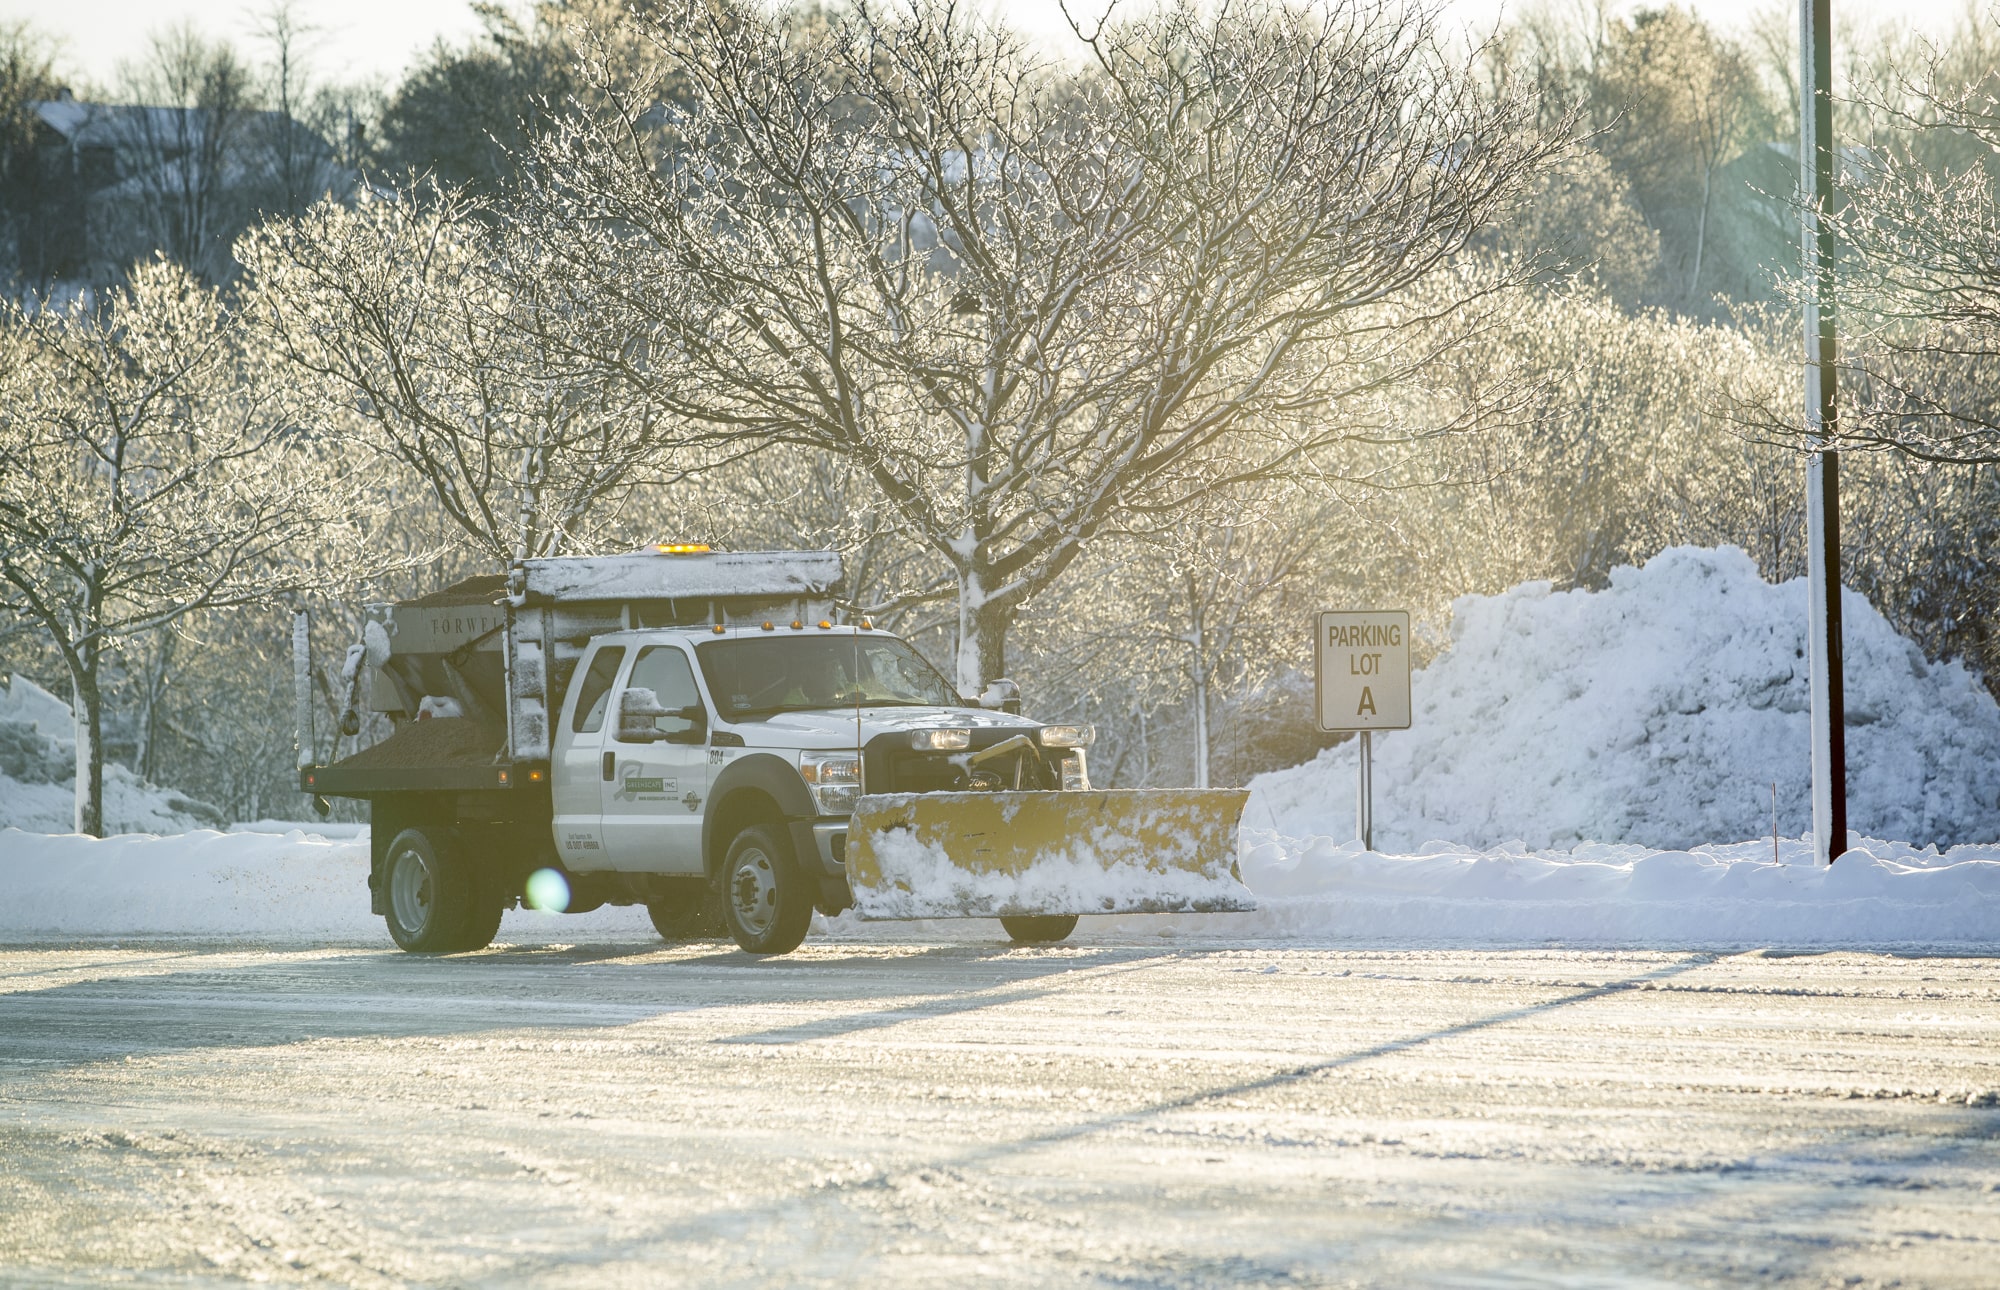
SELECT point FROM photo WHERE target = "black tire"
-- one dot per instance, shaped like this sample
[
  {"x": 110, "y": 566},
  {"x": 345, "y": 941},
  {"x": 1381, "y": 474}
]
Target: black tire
[
  {"x": 766, "y": 901},
  {"x": 687, "y": 911},
  {"x": 1043, "y": 929},
  {"x": 433, "y": 905},
  {"x": 482, "y": 919}
]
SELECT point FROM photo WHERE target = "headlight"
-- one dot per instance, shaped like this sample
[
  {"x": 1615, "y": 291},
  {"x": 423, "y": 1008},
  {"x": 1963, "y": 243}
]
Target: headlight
[
  {"x": 1067, "y": 736},
  {"x": 1075, "y": 775},
  {"x": 940, "y": 740},
  {"x": 835, "y": 780}
]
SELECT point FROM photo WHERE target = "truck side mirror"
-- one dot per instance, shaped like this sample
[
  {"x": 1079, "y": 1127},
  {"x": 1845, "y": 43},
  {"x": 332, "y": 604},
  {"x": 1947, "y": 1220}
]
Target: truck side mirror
[
  {"x": 638, "y": 710},
  {"x": 1000, "y": 695}
]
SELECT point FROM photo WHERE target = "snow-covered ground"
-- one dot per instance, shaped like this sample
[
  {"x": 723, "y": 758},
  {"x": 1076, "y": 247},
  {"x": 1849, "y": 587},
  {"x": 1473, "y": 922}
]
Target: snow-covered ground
[{"x": 618, "y": 1112}]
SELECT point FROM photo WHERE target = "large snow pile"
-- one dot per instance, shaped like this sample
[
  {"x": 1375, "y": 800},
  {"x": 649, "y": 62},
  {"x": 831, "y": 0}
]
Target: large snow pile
[
  {"x": 298, "y": 886},
  {"x": 38, "y": 774},
  {"x": 1657, "y": 711}
]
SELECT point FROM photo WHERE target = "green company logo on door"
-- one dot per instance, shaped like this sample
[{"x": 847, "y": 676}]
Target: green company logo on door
[{"x": 648, "y": 785}]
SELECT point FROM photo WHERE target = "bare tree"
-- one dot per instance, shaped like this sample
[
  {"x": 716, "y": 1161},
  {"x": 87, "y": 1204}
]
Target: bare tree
[
  {"x": 1918, "y": 285},
  {"x": 297, "y": 157},
  {"x": 149, "y": 468},
  {"x": 1217, "y": 584},
  {"x": 459, "y": 342},
  {"x": 1689, "y": 100},
  {"x": 27, "y": 75},
  {"x": 1030, "y": 303},
  {"x": 188, "y": 146},
  {"x": 1716, "y": 89}
]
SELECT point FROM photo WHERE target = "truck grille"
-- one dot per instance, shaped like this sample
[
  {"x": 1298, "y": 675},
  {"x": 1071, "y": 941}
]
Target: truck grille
[{"x": 892, "y": 766}]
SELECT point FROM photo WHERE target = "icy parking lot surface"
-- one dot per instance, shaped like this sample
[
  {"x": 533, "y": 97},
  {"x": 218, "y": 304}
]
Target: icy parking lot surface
[{"x": 621, "y": 1112}]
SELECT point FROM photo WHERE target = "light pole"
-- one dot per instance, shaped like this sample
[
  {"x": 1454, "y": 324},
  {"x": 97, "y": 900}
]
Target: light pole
[{"x": 1816, "y": 161}]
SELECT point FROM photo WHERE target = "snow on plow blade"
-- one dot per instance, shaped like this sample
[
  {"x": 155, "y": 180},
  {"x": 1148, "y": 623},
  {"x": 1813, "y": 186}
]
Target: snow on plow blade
[{"x": 979, "y": 855}]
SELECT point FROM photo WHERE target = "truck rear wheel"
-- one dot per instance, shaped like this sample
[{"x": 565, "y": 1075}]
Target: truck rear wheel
[
  {"x": 1044, "y": 929},
  {"x": 765, "y": 899},
  {"x": 434, "y": 905}
]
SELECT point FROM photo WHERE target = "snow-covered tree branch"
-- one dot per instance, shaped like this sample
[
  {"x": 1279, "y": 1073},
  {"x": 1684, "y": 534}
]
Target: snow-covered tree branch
[
  {"x": 471, "y": 362},
  {"x": 1916, "y": 288}
]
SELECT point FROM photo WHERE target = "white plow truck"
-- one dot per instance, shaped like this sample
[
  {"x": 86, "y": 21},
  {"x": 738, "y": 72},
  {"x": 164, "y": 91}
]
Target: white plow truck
[{"x": 703, "y": 734}]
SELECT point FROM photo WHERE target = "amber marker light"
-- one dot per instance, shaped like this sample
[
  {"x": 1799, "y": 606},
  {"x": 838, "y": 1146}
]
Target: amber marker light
[
  {"x": 825, "y": 626},
  {"x": 681, "y": 548},
  {"x": 717, "y": 629},
  {"x": 868, "y": 624},
  {"x": 535, "y": 776},
  {"x": 767, "y": 627},
  {"x": 798, "y": 626}
]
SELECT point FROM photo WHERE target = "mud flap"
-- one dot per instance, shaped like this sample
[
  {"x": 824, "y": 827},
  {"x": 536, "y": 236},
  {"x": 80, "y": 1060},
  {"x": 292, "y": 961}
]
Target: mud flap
[{"x": 982, "y": 855}]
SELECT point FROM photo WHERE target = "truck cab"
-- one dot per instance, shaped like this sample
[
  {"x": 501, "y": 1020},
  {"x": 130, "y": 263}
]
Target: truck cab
[{"x": 671, "y": 745}]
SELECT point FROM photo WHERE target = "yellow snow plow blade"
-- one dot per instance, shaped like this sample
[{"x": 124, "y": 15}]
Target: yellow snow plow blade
[{"x": 981, "y": 855}]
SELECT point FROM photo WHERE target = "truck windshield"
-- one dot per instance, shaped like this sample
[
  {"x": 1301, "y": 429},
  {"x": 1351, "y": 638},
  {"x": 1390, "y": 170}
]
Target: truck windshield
[{"x": 757, "y": 677}]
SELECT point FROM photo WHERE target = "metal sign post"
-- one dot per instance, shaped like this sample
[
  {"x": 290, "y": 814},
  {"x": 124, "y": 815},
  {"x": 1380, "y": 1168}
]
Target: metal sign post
[
  {"x": 1361, "y": 669},
  {"x": 1829, "y": 715},
  {"x": 1364, "y": 794}
]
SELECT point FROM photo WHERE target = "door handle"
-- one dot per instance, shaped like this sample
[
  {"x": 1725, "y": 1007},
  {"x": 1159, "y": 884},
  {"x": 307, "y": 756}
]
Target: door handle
[{"x": 610, "y": 761}]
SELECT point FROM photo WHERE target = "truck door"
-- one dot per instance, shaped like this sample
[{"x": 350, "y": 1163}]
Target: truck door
[
  {"x": 653, "y": 801},
  {"x": 580, "y": 763}
]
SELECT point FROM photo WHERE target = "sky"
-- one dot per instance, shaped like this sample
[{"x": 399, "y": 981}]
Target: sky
[{"x": 377, "y": 39}]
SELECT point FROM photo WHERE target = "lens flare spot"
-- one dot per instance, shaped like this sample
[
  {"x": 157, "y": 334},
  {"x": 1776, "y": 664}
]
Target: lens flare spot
[{"x": 548, "y": 891}]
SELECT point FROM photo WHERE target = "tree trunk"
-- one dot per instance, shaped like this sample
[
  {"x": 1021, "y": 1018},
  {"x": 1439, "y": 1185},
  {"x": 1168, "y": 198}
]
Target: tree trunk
[
  {"x": 982, "y": 634},
  {"x": 1198, "y": 672},
  {"x": 1701, "y": 230},
  {"x": 89, "y": 743},
  {"x": 150, "y": 697}
]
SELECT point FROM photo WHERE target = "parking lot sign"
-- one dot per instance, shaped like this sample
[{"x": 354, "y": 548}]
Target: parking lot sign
[{"x": 1363, "y": 667}]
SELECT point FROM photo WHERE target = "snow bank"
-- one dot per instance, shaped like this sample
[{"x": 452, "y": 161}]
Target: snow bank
[
  {"x": 1881, "y": 894},
  {"x": 298, "y": 886},
  {"x": 22, "y": 700},
  {"x": 196, "y": 884},
  {"x": 131, "y": 805},
  {"x": 331, "y": 829},
  {"x": 1657, "y": 711},
  {"x": 38, "y": 774}
]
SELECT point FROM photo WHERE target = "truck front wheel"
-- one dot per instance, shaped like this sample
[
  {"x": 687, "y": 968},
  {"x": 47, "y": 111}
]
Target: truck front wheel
[
  {"x": 765, "y": 899},
  {"x": 434, "y": 905},
  {"x": 1040, "y": 929}
]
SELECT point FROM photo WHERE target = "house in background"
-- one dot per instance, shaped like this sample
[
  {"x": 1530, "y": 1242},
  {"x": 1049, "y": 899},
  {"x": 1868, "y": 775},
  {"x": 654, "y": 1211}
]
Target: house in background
[{"x": 97, "y": 186}]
